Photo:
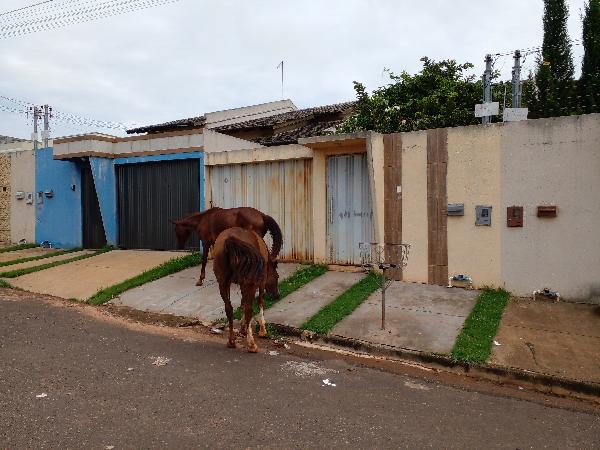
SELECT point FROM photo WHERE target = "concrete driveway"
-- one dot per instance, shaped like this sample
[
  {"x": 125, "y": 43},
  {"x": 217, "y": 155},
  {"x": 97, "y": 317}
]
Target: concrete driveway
[
  {"x": 178, "y": 294},
  {"x": 418, "y": 316},
  {"x": 82, "y": 279}
]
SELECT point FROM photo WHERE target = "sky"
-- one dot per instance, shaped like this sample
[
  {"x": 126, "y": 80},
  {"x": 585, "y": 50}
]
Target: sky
[{"x": 195, "y": 56}]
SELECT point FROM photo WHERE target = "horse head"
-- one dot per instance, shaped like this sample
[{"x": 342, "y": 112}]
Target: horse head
[
  {"x": 272, "y": 284},
  {"x": 182, "y": 232}
]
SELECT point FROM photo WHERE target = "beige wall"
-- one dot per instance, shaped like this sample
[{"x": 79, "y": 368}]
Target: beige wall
[
  {"x": 375, "y": 155},
  {"x": 474, "y": 179},
  {"x": 22, "y": 179},
  {"x": 414, "y": 204},
  {"x": 553, "y": 162},
  {"x": 4, "y": 197}
]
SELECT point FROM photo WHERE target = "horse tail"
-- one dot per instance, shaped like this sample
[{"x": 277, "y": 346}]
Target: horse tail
[
  {"x": 273, "y": 227},
  {"x": 244, "y": 259}
]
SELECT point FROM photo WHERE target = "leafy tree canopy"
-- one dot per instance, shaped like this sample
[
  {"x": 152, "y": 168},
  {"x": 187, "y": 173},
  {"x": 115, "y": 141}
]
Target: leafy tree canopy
[{"x": 442, "y": 94}]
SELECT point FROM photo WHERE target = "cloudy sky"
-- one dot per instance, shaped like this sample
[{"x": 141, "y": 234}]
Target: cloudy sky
[{"x": 195, "y": 56}]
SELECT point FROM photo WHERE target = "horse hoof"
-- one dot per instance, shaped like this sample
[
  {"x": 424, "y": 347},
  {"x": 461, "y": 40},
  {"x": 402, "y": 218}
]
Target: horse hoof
[
  {"x": 262, "y": 333},
  {"x": 253, "y": 349},
  {"x": 230, "y": 344},
  {"x": 199, "y": 283}
]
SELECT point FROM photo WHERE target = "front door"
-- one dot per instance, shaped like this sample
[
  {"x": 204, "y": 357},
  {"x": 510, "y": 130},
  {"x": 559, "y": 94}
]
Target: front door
[{"x": 350, "y": 214}]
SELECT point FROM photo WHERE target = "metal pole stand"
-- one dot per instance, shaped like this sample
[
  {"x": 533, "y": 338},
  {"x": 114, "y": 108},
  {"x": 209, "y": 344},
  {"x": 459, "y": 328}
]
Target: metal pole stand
[{"x": 382, "y": 258}]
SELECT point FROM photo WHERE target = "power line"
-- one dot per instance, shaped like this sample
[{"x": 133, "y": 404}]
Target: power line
[
  {"x": 78, "y": 13},
  {"x": 25, "y": 7},
  {"x": 23, "y": 107}
]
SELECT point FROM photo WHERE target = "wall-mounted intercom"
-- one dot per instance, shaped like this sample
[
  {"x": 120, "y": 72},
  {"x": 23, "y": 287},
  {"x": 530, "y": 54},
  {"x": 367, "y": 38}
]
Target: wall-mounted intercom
[{"x": 483, "y": 215}]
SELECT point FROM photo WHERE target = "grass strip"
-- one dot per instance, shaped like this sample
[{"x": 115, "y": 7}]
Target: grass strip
[
  {"x": 5, "y": 284},
  {"x": 28, "y": 270},
  {"x": 36, "y": 258},
  {"x": 474, "y": 343},
  {"x": 172, "y": 266},
  {"x": 304, "y": 275},
  {"x": 14, "y": 248},
  {"x": 332, "y": 313}
]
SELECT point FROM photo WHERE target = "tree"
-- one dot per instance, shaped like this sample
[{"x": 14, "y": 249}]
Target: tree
[
  {"x": 441, "y": 95},
  {"x": 590, "y": 68},
  {"x": 554, "y": 93}
]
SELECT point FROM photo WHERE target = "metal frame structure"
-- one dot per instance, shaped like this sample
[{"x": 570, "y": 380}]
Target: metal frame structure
[{"x": 383, "y": 257}]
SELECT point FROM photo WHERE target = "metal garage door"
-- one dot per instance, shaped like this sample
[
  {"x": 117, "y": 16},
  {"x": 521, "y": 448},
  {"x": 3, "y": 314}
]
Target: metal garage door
[
  {"x": 149, "y": 194},
  {"x": 350, "y": 214},
  {"x": 281, "y": 189}
]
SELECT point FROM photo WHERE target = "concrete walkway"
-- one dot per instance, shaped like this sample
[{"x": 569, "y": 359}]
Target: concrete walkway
[
  {"x": 178, "y": 294},
  {"x": 41, "y": 262},
  {"x": 302, "y": 304},
  {"x": 82, "y": 279},
  {"x": 26, "y": 253},
  {"x": 555, "y": 338},
  {"x": 418, "y": 316}
]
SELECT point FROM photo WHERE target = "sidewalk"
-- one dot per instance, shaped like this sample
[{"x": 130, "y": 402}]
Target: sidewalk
[
  {"x": 418, "y": 317},
  {"x": 561, "y": 339},
  {"x": 178, "y": 294},
  {"x": 82, "y": 279}
]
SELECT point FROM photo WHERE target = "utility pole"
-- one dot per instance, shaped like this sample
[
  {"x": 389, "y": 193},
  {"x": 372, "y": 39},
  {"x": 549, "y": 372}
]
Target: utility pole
[
  {"x": 36, "y": 117},
  {"x": 516, "y": 80},
  {"x": 46, "y": 132},
  {"x": 487, "y": 86}
]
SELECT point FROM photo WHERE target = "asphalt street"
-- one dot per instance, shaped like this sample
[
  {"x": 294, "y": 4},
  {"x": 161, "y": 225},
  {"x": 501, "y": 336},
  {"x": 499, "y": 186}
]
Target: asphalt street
[{"x": 73, "y": 379}]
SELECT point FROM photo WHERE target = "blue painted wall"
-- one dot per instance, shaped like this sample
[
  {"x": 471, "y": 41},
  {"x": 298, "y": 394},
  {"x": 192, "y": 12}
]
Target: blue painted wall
[
  {"x": 103, "y": 171},
  {"x": 58, "y": 219}
]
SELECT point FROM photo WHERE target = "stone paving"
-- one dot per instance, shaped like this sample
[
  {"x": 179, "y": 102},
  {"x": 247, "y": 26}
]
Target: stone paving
[{"x": 178, "y": 294}]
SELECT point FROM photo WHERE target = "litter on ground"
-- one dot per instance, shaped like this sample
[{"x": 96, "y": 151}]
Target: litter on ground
[
  {"x": 216, "y": 330},
  {"x": 327, "y": 382},
  {"x": 305, "y": 369},
  {"x": 496, "y": 343},
  {"x": 273, "y": 353},
  {"x": 160, "y": 360},
  {"x": 42, "y": 395}
]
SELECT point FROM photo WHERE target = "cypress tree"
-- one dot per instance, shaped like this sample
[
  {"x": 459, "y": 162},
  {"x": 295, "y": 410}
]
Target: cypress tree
[
  {"x": 554, "y": 77},
  {"x": 590, "y": 69}
]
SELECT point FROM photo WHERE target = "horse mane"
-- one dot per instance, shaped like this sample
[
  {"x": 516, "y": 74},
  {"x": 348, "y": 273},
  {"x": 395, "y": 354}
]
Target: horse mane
[
  {"x": 245, "y": 260},
  {"x": 193, "y": 219},
  {"x": 275, "y": 231}
]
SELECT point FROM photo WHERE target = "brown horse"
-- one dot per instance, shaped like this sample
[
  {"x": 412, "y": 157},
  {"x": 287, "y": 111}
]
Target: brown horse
[
  {"x": 210, "y": 223},
  {"x": 241, "y": 257}
]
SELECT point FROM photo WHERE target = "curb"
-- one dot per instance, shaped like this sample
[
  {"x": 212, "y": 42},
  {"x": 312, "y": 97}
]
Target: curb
[{"x": 542, "y": 381}]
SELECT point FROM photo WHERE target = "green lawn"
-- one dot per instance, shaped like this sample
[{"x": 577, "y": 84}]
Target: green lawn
[
  {"x": 331, "y": 314},
  {"x": 474, "y": 343}
]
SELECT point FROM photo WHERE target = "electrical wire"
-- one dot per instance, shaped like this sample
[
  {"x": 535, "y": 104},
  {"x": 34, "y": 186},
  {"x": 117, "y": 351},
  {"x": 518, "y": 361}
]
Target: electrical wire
[{"x": 79, "y": 12}]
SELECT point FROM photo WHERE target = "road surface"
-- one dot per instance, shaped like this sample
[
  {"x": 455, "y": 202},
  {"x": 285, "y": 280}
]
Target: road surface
[{"x": 71, "y": 378}]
